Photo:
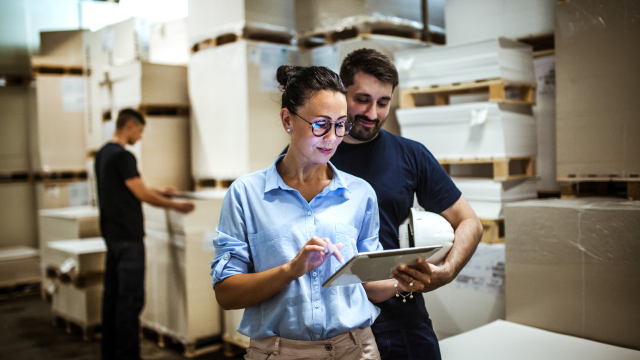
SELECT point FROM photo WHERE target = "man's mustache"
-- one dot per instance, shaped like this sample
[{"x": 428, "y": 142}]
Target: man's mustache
[{"x": 362, "y": 117}]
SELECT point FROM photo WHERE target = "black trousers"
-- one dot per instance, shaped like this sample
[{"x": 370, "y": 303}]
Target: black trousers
[
  {"x": 412, "y": 343},
  {"x": 123, "y": 299}
]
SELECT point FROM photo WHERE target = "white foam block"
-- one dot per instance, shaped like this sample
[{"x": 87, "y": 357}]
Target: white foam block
[{"x": 488, "y": 197}]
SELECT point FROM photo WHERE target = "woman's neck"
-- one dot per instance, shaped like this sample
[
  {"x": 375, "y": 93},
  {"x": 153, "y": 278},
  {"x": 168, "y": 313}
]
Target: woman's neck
[{"x": 303, "y": 175}]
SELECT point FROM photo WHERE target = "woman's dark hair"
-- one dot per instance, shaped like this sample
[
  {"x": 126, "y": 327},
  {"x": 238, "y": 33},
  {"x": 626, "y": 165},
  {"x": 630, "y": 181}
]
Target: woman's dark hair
[
  {"x": 300, "y": 83},
  {"x": 371, "y": 62}
]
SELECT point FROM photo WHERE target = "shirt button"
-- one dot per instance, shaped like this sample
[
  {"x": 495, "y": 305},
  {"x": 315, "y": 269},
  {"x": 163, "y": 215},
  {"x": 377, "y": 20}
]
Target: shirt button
[
  {"x": 226, "y": 257},
  {"x": 316, "y": 305},
  {"x": 314, "y": 273},
  {"x": 317, "y": 336},
  {"x": 309, "y": 213}
]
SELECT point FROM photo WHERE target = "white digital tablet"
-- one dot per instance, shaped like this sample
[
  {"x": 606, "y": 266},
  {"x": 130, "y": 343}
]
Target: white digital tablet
[{"x": 377, "y": 265}]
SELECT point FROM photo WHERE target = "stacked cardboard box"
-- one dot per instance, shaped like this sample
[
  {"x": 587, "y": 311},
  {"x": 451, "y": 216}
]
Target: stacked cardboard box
[
  {"x": 169, "y": 43},
  {"x": 18, "y": 215},
  {"x": 179, "y": 250},
  {"x": 19, "y": 265}
]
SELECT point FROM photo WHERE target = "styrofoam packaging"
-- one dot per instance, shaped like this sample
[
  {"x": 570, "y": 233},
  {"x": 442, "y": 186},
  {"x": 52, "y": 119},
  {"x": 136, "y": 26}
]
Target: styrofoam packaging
[
  {"x": 235, "y": 103},
  {"x": 82, "y": 306},
  {"x": 504, "y": 340},
  {"x": 58, "y": 135},
  {"x": 14, "y": 128},
  {"x": 79, "y": 256},
  {"x": 545, "y": 114},
  {"x": 323, "y": 15},
  {"x": 469, "y": 20},
  {"x": 18, "y": 215},
  {"x": 487, "y": 197},
  {"x": 60, "y": 48},
  {"x": 210, "y": 18},
  {"x": 472, "y": 130},
  {"x": 331, "y": 56},
  {"x": 489, "y": 59},
  {"x": 475, "y": 298},
  {"x": 19, "y": 265},
  {"x": 168, "y": 43}
]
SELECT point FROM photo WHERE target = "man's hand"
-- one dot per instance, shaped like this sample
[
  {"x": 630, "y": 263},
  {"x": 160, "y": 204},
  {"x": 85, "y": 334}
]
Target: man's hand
[
  {"x": 426, "y": 277},
  {"x": 183, "y": 206},
  {"x": 167, "y": 191}
]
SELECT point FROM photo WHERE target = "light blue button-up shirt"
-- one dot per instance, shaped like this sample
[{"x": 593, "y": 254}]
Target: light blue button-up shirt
[{"x": 264, "y": 224}]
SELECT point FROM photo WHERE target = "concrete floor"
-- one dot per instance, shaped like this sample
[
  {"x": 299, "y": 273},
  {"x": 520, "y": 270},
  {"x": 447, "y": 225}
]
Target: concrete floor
[{"x": 27, "y": 332}]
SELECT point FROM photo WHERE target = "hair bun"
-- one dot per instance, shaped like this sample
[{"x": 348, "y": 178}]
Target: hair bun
[{"x": 284, "y": 73}]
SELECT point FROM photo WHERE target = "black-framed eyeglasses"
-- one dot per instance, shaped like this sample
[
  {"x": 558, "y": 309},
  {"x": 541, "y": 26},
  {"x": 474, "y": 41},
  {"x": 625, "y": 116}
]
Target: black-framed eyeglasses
[{"x": 322, "y": 127}]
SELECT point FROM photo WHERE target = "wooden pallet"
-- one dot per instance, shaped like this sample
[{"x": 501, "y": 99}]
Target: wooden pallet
[
  {"x": 213, "y": 183},
  {"x": 624, "y": 187},
  {"x": 504, "y": 169},
  {"x": 364, "y": 28},
  {"x": 61, "y": 176},
  {"x": 248, "y": 33},
  {"x": 57, "y": 70},
  {"x": 15, "y": 80},
  {"x": 498, "y": 90},
  {"x": 493, "y": 231},
  {"x": 164, "y": 110},
  {"x": 190, "y": 348},
  {"x": 16, "y": 177},
  {"x": 19, "y": 288},
  {"x": 88, "y": 332},
  {"x": 543, "y": 44},
  {"x": 233, "y": 346}
]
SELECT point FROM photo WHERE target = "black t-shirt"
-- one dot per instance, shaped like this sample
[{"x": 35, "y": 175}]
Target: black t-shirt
[
  {"x": 120, "y": 210},
  {"x": 397, "y": 168}
]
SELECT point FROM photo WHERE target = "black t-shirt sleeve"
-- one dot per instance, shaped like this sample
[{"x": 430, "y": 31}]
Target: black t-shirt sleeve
[
  {"x": 436, "y": 191},
  {"x": 127, "y": 166}
]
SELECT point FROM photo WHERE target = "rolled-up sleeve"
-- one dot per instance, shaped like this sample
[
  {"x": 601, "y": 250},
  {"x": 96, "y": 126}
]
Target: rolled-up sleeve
[
  {"x": 368, "y": 239},
  {"x": 231, "y": 248}
]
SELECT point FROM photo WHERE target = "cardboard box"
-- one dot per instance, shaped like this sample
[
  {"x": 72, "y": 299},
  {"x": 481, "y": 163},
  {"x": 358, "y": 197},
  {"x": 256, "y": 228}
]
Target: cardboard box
[
  {"x": 169, "y": 43},
  {"x": 209, "y": 18},
  {"x": 490, "y": 59},
  {"x": 468, "y": 20},
  {"x": 236, "y": 128},
  {"x": 331, "y": 56},
  {"x": 126, "y": 41},
  {"x": 14, "y": 128},
  {"x": 58, "y": 135},
  {"x": 572, "y": 267},
  {"x": 76, "y": 222},
  {"x": 76, "y": 257},
  {"x": 82, "y": 306},
  {"x": 61, "y": 194},
  {"x": 18, "y": 215},
  {"x": 96, "y": 63},
  {"x": 545, "y": 114},
  {"x": 504, "y": 340},
  {"x": 475, "y": 298},
  {"x": 598, "y": 72},
  {"x": 178, "y": 267},
  {"x": 19, "y": 265},
  {"x": 472, "y": 130},
  {"x": 488, "y": 198},
  {"x": 60, "y": 48}
]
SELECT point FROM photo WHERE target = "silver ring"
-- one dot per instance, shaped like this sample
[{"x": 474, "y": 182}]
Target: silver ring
[{"x": 411, "y": 283}]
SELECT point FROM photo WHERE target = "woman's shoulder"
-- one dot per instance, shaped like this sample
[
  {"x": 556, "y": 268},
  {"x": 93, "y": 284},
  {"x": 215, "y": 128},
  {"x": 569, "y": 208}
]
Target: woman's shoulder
[{"x": 255, "y": 180}]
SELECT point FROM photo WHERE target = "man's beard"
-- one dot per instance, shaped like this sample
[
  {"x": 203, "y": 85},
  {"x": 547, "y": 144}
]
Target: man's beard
[{"x": 362, "y": 133}]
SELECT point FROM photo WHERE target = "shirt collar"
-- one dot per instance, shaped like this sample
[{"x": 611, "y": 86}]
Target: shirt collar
[{"x": 274, "y": 180}]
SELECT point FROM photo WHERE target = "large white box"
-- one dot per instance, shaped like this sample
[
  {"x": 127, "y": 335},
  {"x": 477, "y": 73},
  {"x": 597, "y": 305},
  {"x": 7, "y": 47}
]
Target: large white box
[
  {"x": 60, "y": 49},
  {"x": 475, "y": 298},
  {"x": 76, "y": 257},
  {"x": 504, "y": 340},
  {"x": 18, "y": 215},
  {"x": 472, "y": 130},
  {"x": 82, "y": 306},
  {"x": 210, "y": 18},
  {"x": 61, "y": 194},
  {"x": 496, "y": 58},
  {"x": 76, "y": 222},
  {"x": 19, "y": 265},
  {"x": 487, "y": 197},
  {"x": 470, "y": 20},
  {"x": 126, "y": 41},
  {"x": 235, "y": 104},
  {"x": 168, "y": 43},
  {"x": 14, "y": 128}
]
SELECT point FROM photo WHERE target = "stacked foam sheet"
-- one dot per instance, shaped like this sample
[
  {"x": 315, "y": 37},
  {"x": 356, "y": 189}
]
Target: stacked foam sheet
[
  {"x": 19, "y": 265},
  {"x": 236, "y": 108},
  {"x": 475, "y": 298},
  {"x": 488, "y": 197},
  {"x": 469, "y": 20},
  {"x": 504, "y": 340},
  {"x": 495, "y": 58},
  {"x": 471, "y": 130},
  {"x": 211, "y": 18},
  {"x": 179, "y": 250}
]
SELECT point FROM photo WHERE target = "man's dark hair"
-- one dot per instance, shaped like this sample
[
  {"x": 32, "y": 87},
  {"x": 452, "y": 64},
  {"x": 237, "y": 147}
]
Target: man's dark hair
[
  {"x": 370, "y": 62},
  {"x": 129, "y": 114},
  {"x": 299, "y": 84}
]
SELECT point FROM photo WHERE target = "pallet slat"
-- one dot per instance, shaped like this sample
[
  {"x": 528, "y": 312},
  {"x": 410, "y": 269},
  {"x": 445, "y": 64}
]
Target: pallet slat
[
  {"x": 493, "y": 231},
  {"x": 501, "y": 166},
  {"x": 601, "y": 187},
  {"x": 248, "y": 33}
]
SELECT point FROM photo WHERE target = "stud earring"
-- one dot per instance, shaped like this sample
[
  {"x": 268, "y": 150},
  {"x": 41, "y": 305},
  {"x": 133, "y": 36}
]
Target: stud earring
[{"x": 288, "y": 130}]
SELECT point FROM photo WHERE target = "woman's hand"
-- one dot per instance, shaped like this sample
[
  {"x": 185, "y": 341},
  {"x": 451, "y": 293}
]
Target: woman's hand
[{"x": 313, "y": 254}]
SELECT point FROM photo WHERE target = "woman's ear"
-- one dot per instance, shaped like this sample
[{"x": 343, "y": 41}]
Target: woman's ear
[{"x": 285, "y": 116}]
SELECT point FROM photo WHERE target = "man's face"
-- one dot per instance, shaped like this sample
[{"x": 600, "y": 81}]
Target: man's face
[
  {"x": 368, "y": 102},
  {"x": 135, "y": 132}
]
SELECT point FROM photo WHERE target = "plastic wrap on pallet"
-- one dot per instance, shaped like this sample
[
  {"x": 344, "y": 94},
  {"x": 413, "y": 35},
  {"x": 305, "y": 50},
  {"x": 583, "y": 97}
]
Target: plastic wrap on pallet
[
  {"x": 469, "y": 20},
  {"x": 211, "y": 18},
  {"x": 597, "y": 46},
  {"x": 490, "y": 59},
  {"x": 487, "y": 197},
  {"x": 472, "y": 130},
  {"x": 573, "y": 265}
]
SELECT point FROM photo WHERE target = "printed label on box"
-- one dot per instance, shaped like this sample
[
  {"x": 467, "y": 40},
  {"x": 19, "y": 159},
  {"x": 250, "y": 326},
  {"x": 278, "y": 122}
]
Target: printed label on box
[
  {"x": 73, "y": 97},
  {"x": 545, "y": 68},
  {"x": 326, "y": 56},
  {"x": 485, "y": 271},
  {"x": 78, "y": 193},
  {"x": 271, "y": 58}
]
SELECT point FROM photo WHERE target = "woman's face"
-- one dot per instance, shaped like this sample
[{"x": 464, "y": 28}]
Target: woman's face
[{"x": 324, "y": 106}]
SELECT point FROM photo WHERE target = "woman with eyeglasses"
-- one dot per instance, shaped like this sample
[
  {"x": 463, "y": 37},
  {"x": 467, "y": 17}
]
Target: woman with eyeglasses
[{"x": 285, "y": 229}]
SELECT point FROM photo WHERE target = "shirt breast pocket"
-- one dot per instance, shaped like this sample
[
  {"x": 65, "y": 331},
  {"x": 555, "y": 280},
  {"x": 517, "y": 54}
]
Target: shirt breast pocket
[
  {"x": 272, "y": 247},
  {"x": 348, "y": 236}
]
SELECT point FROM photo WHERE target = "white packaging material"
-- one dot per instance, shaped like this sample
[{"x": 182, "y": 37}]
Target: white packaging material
[
  {"x": 19, "y": 265},
  {"x": 470, "y": 20},
  {"x": 210, "y": 18},
  {"x": 18, "y": 215},
  {"x": 504, "y": 340},
  {"x": 232, "y": 319},
  {"x": 14, "y": 122},
  {"x": 75, "y": 222},
  {"x": 55, "y": 195},
  {"x": 80, "y": 305},
  {"x": 96, "y": 63},
  {"x": 472, "y": 130},
  {"x": 488, "y": 197},
  {"x": 126, "y": 41},
  {"x": 490, "y": 59},
  {"x": 168, "y": 43},
  {"x": 545, "y": 114},
  {"x": 235, "y": 102},
  {"x": 475, "y": 298},
  {"x": 76, "y": 257}
]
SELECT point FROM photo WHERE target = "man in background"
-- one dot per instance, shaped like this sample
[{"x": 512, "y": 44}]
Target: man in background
[{"x": 121, "y": 192}]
